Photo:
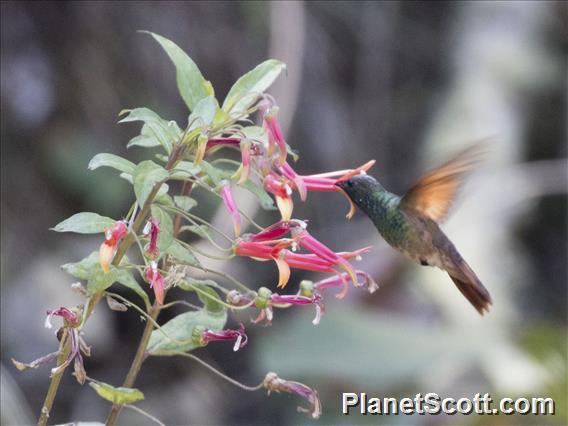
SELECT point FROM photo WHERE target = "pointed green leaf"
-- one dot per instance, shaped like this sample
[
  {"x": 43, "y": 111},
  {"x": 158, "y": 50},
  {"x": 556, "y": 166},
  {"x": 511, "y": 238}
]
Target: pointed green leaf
[
  {"x": 180, "y": 328},
  {"x": 204, "y": 289},
  {"x": 118, "y": 396},
  {"x": 191, "y": 84},
  {"x": 255, "y": 132},
  {"x": 82, "y": 269},
  {"x": 84, "y": 223},
  {"x": 204, "y": 112},
  {"x": 165, "y": 132},
  {"x": 164, "y": 200},
  {"x": 201, "y": 230},
  {"x": 146, "y": 138},
  {"x": 216, "y": 174},
  {"x": 146, "y": 175},
  {"x": 99, "y": 280},
  {"x": 184, "y": 202},
  {"x": 182, "y": 254},
  {"x": 165, "y": 236},
  {"x": 264, "y": 199},
  {"x": 111, "y": 160},
  {"x": 185, "y": 169},
  {"x": 250, "y": 86},
  {"x": 90, "y": 269}
]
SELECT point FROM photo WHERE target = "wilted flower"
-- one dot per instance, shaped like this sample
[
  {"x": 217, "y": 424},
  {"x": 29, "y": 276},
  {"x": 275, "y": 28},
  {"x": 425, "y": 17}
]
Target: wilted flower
[
  {"x": 108, "y": 248},
  {"x": 152, "y": 229},
  {"x": 363, "y": 280},
  {"x": 156, "y": 280},
  {"x": 203, "y": 336},
  {"x": 273, "y": 383},
  {"x": 231, "y": 206},
  {"x": 69, "y": 335},
  {"x": 70, "y": 318}
]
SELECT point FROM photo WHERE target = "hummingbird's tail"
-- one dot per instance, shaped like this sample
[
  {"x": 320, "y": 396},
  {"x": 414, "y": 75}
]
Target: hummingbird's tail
[{"x": 470, "y": 286}]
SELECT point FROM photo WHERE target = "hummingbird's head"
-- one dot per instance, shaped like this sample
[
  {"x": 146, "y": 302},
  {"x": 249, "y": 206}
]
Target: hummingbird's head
[{"x": 359, "y": 187}]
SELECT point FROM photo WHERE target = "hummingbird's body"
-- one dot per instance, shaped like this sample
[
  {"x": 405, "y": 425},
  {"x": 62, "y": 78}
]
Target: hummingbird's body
[{"x": 409, "y": 223}]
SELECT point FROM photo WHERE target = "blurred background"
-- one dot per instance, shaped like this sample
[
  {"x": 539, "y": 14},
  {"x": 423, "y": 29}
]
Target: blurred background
[{"x": 404, "y": 83}]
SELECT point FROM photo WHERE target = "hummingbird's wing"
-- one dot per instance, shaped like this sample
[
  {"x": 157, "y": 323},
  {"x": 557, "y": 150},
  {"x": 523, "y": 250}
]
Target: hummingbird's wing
[{"x": 433, "y": 194}]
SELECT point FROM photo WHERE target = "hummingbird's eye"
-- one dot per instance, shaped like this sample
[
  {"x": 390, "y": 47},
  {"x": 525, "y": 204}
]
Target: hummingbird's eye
[{"x": 349, "y": 183}]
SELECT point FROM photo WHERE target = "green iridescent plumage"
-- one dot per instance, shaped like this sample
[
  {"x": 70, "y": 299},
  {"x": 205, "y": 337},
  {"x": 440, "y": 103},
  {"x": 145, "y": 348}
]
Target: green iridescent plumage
[{"x": 409, "y": 223}]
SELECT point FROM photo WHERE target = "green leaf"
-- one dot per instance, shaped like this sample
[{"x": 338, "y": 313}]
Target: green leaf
[
  {"x": 180, "y": 328},
  {"x": 164, "y": 200},
  {"x": 185, "y": 169},
  {"x": 264, "y": 199},
  {"x": 201, "y": 230},
  {"x": 250, "y": 86},
  {"x": 126, "y": 278},
  {"x": 216, "y": 174},
  {"x": 111, "y": 160},
  {"x": 255, "y": 132},
  {"x": 165, "y": 132},
  {"x": 84, "y": 223},
  {"x": 166, "y": 234},
  {"x": 184, "y": 202},
  {"x": 90, "y": 269},
  {"x": 99, "y": 280},
  {"x": 203, "y": 113},
  {"x": 146, "y": 138},
  {"x": 118, "y": 396},
  {"x": 145, "y": 176},
  {"x": 182, "y": 254},
  {"x": 83, "y": 268},
  {"x": 191, "y": 84},
  {"x": 208, "y": 296}
]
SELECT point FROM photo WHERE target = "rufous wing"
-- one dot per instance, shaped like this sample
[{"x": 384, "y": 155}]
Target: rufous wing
[{"x": 432, "y": 196}]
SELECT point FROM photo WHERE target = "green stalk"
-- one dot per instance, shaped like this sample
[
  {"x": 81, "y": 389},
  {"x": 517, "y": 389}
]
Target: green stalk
[
  {"x": 175, "y": 156},
  {"x": 65, "y": 349}
]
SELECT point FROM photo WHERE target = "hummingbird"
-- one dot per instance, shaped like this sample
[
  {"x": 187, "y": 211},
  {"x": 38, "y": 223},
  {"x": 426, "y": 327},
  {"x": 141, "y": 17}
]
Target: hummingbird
[{"x": 410, "y": 223}]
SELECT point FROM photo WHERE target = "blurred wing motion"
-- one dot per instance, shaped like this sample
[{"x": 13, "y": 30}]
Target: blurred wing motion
[{"x": 433, "y": 194}]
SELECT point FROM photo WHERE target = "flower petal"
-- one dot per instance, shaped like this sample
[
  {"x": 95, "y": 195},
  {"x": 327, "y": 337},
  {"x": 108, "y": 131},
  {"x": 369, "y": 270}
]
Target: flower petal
[{"x": 283, "y": 272}]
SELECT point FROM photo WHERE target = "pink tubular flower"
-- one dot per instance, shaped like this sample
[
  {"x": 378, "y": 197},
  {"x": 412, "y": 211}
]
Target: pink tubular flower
[
  {"x": 305, "y": 240},
  {"x": 269, "y": 244},
  {"x": 152, "y": 229},
  {"x": 273, "y": 383},
  {"x": 215, "y": 143},
  {"x": 278, "y": 300},
  {"x": 204, "y": 336},
  {"x": 108, "y": 248},
  {"x": 244, "y": 169},
  {"x": 231, "y": 206},
  {"x": 274, "y": 131},
  {"x": 323, "y": 182},
  {"x": 156, "y": 280}
]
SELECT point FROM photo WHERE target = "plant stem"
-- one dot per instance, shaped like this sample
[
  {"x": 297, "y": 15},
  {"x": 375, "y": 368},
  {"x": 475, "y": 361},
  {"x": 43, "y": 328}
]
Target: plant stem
[
  {"x": 54, "y": 385},
  {"x": 136, "y": 364},
  {"x": 155, "y": 310},
  {"x": 174, "y": 157}
]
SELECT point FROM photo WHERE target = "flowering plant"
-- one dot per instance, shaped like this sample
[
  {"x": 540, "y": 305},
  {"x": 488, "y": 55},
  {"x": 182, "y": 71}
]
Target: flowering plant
[{"x": 154, "y": 233}]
